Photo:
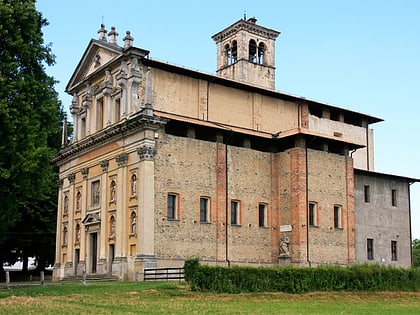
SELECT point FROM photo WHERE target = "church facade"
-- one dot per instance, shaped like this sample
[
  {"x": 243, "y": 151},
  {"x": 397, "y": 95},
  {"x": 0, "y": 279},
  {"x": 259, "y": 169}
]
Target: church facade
[{"x": 167, "y": 163}]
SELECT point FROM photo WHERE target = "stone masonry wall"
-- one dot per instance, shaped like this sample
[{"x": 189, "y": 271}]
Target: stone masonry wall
[
  {"x": 189, "y": 168},
  {"x": 327, "y": 188}
]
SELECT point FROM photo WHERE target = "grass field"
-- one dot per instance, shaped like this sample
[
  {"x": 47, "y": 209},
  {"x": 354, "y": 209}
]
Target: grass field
[{"x": 177, "y": 298}]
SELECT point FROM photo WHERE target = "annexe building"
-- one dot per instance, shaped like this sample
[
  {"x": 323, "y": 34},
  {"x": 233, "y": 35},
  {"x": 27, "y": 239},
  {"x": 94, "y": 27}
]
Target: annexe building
[{"x": 168, "y": 163}]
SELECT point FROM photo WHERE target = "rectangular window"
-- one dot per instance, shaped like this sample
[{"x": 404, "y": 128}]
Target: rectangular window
[
  {"x": 337, "y": 217},
  {"x": 394, "y": 256},
  {"x": 262, "y": 215},
  {"x": 369, "y": 246},
  {"x": 95, "y": 193},
  {"x": 234, "y": 212},
  {"x": 172, "y": 206},
  {"x": 394, "y": 197},
  {"x": 312, "y": 214},
  {"x": 204, "y": 210},
  {"x": 367, "y": 193}
]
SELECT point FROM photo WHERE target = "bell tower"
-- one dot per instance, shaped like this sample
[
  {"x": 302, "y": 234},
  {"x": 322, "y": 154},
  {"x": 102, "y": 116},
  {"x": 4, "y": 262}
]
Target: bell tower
[{"x": 246, "y": 53}]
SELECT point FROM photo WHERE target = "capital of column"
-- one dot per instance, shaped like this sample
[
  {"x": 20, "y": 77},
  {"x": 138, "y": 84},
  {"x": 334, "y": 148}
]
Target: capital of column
[
  {"x": 146, "y": 153},
  {"x": 85, "y": 172},
  {"x": 122, "y": 159},
  {"x": 71, "y": 177},
  {"x": 104, "y": 165}
]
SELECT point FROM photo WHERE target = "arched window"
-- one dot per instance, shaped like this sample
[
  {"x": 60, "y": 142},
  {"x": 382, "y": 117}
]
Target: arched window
[
  {"x": 112, "y": 226},
  {"x": 252, "y": 51},
  {"x": 261, "y": 53},
  {"x": 77, "y": 238},
  {"x": 133, "y": 221},
  {"x": 228, "y": 55},
  {"x": 234, "y": 51},
  {"x": 133, "y": 185},
  {"x": 112, "y": 190}
]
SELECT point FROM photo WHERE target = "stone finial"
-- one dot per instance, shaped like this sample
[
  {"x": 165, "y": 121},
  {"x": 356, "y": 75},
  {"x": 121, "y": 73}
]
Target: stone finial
[
  {"x": 128, "y": 40},
  {"x": 102, "y": 33},
  {"x": 113, "y": 36}
]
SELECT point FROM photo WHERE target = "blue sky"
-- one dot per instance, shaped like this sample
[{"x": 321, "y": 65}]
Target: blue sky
[{"x": 363, "y": 55}]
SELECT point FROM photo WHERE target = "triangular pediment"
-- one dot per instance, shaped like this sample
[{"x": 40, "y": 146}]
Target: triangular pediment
[
  {"x": 96, "y": 56},
  {"x": 92, "y": 218}
]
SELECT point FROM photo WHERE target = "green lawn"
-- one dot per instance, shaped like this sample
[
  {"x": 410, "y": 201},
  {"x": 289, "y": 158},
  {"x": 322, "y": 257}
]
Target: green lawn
[{"x": 176, "y": 298}]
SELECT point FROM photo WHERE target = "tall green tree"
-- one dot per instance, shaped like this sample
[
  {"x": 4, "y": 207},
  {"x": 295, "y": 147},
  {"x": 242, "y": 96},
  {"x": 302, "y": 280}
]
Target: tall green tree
[{"x": 30, "y": 118}]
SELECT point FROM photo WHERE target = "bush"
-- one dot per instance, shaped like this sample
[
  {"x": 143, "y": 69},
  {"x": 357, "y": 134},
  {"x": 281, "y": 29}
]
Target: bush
[{"x": 299, "y": 279}]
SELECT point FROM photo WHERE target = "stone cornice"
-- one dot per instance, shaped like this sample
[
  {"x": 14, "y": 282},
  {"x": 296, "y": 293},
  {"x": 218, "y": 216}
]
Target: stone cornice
[
  {"x": 246, "y": 26},
  {"x": 132, "y": 124}
]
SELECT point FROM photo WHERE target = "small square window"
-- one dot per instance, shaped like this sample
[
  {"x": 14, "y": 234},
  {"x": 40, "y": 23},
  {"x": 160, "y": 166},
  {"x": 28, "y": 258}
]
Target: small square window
[
  {"x": 172, "y": 210},
  {"x": 235, "y": 212},
  {"x": 204, "y": 209},
  {"x": 262, "y": 215}
]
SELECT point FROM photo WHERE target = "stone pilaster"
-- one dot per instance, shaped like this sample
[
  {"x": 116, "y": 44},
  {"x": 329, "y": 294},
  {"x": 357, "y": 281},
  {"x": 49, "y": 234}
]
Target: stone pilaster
[
  {"x": 219, "y": 216},
  {"x": 349, "y": 221},
  {"x": 146, "y": 202},
  {"x": 121, "y": 232},
  {"x": 298, "y": 202}
]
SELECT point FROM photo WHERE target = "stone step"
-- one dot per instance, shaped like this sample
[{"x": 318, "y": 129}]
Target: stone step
[{"x": 90, "y": 278}]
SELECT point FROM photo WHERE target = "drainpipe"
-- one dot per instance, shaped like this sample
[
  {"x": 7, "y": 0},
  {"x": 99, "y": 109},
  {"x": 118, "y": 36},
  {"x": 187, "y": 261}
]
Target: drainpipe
[
  {"x": 409, "y": 222},
  {"x": 227, "y": 205}
]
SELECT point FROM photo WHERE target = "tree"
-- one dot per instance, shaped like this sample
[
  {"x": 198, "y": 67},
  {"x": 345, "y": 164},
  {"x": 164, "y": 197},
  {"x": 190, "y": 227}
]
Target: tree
[
  {"x": 30, "y": 118},
  {"x": 416, "y": 253}
]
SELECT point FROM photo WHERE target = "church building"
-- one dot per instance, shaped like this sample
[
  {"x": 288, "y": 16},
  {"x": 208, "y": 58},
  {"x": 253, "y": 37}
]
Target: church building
[{"x": 167, "y": 163}]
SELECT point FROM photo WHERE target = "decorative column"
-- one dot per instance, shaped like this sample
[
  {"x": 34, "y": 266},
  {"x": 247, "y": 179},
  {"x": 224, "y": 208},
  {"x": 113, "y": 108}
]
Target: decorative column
[
  {"x": 81, "y": 267},
  {"x": 58, "y": 270},
  {"x": 68, "y": 268},
  {"x": 122, "y": 82},
  {"x": 146, "y": 208},
  {"x": 74, "y": 110},
  {"x": 107, "y": 95},
  {"x": 134, "y": 80},
  {"x": 102, "y": 266},
  {"x": 121, "y": 233},
  {"x": 86, "y": 103}
]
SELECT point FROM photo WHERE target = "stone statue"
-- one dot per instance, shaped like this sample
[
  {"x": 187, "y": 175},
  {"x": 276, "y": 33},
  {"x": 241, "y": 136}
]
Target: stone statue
[{"x": 284, "y": 246}]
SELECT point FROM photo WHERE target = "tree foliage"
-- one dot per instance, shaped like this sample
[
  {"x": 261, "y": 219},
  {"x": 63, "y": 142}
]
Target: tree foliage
[{"x": 30, "y": 118}]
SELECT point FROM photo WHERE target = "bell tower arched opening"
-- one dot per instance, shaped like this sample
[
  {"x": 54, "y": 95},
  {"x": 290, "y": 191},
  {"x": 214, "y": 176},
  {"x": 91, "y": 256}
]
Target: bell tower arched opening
[{"x": 246, "y": 53}]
